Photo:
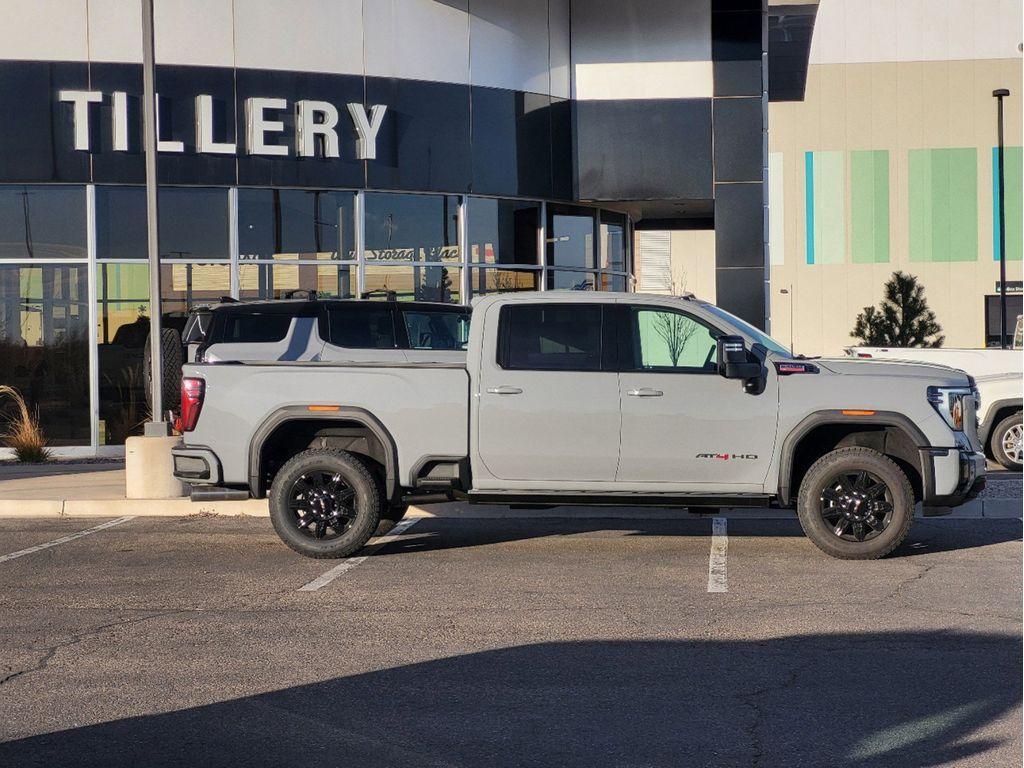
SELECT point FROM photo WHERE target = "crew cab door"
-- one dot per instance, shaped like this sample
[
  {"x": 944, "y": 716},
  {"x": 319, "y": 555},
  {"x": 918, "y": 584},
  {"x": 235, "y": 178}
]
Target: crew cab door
[
  {"x": 685, "y": 427},
  {"x": 547, "y": 410}
]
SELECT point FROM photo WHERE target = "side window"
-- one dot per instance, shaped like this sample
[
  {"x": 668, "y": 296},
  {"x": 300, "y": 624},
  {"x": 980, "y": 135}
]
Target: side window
[
  {"x": 674, "y": 341},
  {"x": 254, "y": 328},
  {"x": 436, "y": 329},
  {"x": 362, "y": 327},
  {"x": 551, "y": 337}
]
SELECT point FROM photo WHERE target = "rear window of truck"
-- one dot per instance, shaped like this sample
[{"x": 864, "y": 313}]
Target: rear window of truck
[
  {"x": 362, "y": 326},
  {"x": 550, "y": 337}
]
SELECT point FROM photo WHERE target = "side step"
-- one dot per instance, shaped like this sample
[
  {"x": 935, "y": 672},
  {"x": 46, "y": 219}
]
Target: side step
[{"x": 213, "y": 493}]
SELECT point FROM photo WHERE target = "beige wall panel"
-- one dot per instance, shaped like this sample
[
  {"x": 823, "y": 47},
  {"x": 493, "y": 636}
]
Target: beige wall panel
[{"x": 693, "y": 262}]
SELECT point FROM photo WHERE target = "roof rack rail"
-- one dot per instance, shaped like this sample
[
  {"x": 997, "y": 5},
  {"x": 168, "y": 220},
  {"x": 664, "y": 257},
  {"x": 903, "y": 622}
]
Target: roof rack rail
[{"x": 388, "y": 295}]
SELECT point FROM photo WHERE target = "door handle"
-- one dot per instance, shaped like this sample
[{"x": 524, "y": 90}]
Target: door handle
[
  {"x": 645, "y": 392},
  {"x": 505, "y": 390}
]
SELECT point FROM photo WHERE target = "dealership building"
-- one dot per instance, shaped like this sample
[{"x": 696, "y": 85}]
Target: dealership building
[{"x": 437, "y": 149}]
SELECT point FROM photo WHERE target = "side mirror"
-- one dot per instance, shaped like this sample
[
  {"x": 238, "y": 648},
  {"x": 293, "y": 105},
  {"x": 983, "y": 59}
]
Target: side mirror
[{"x": 734, "y": 360}]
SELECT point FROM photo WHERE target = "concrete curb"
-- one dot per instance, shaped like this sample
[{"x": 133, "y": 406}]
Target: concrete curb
[{"x": 139, "y": 507}]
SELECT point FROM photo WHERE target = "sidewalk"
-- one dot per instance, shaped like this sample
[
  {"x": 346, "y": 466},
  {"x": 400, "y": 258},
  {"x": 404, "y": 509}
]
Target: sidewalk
[{"x": 96, "y": 489}]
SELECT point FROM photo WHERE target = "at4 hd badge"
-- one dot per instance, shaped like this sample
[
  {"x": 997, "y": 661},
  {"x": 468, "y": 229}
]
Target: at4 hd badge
[{"x": 727, "y": 456}]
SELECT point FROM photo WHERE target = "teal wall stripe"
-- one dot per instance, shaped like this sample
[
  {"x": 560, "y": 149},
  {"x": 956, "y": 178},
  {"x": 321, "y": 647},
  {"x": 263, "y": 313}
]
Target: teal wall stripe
[{"x": 809, "y": 203}]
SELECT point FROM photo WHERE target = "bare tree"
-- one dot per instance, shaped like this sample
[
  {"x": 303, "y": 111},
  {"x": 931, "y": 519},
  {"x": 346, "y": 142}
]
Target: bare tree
[{"x": 676, "y": 331}]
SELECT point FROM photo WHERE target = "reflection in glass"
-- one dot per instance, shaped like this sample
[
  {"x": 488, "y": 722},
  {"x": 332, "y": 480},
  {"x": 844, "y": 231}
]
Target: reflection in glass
[
  {"x": 42, "y": 222},
  {"x": 193, "y": 223},
  {"x": 411, "y": 227},
  {"x": 286, "y": 281},
  {"x": 570, "y": 234},
  {"x": 486, "y": 281},
  {"x": 414, "y": 282},
  {"x": 607, "y": 282},
  {"x": 559, "y": 280},
  {"x": 184, "y": 286},
  {"x": 121, "y": 222},
  {"x": 44, "y": 332},
  {"x": 122, "y": 304},
  {"x": 502, "y": 231},
  {"x": 296, "y": 224},
  {"x": 613, "y": 241}
]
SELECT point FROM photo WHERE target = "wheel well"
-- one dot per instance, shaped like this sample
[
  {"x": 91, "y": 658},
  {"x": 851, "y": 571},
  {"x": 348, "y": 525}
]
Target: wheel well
[
  {"x": 1004, "y": 410},
  {"x": 889, "y": 440},
  {"x": 296, "y": 435}
]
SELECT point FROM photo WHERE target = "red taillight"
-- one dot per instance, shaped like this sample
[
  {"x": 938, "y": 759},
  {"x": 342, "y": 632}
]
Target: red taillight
[{"x": 192, "y": 391}]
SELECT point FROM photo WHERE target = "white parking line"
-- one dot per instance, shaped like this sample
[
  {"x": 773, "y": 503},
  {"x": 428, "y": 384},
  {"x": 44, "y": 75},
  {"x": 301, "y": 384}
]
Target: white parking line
[
  {"x": 66, "y": 539},
  {"x": 347, "y": 565},
  {"x": 718, "y": 580}
]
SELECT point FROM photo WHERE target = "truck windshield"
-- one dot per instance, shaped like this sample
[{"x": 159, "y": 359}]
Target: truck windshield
[{"x": 758, "y": 336}]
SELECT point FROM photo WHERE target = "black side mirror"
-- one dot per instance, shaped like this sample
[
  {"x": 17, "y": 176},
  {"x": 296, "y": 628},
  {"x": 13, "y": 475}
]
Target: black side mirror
[{"x": 733, "y": 359}]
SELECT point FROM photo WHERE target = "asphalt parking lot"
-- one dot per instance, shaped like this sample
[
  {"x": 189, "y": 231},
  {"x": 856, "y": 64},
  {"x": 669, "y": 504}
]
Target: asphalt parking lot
[{"x": 507, "y": 642}]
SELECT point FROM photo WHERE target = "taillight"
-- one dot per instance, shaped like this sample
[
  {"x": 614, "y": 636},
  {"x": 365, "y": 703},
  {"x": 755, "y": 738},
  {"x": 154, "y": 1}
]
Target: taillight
[{"x": 192, "y": 391}]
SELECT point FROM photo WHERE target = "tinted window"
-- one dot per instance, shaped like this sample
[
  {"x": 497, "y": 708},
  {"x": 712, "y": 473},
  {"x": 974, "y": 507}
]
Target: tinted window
[
  {"x": 121, "y": 223},
  {"x": 193, "y": 223},
  {"x": 503, "y": 231},
  {"x": 570, "y": 237},
  {"x": 551, "y": 337},
  {"x": 254, "y": 328},
  {"x": 436, "y": 330},
  {"x": 362, "y": 327},
  {"x": 663, "y": 339},
  {"x": 42, "y": 222},
  {"x": 295, "y": 224},
  {"x": 411, "y": 227}
]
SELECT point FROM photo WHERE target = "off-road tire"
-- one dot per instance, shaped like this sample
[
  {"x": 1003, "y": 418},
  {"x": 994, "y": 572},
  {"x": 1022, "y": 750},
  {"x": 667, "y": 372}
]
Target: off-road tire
[
  {"x": 852, "y": 460},
  {"x": 170, "y": 362},
  {"x": 995, "y": 441},
  {"x": 366, "y": 503}
]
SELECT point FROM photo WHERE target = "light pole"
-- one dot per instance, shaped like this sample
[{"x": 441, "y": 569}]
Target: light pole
[
  {"x": 156, "y": 426},
  {"x": 1000, "y": 94},
  {"x": 789, "y": 292}
]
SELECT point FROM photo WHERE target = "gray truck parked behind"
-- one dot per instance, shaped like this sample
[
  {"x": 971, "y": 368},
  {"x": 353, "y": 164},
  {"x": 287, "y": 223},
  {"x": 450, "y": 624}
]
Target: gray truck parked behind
[{"x": 587, "y": 398}]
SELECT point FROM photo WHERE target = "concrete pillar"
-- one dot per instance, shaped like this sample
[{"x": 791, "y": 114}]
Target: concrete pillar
[{"x": 149, "y": 469}]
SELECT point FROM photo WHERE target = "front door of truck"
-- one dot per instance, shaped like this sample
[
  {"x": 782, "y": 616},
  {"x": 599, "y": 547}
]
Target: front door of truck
[
  {"x": 683, "y": 425},
  {"x": 548, "y": 395}
]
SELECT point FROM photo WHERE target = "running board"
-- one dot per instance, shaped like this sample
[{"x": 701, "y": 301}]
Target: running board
[
  {"x": 218, "y": 494},
  {"x": 619, "y": 500}
]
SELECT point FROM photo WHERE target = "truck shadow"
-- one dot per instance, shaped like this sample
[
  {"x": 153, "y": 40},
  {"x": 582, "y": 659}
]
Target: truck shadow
[
  {"x": 838, "y": 700},
  {"x": 926, "y": 536}
]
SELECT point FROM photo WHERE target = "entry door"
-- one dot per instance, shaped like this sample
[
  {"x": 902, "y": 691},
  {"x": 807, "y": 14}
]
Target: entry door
[
  {"x": 682, "y": 423},
  {"x": 548, "y": 404}
]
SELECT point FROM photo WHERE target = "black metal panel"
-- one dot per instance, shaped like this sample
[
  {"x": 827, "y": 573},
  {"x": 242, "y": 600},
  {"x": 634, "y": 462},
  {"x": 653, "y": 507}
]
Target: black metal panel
[
  {"x": 739, "y": 218},
  {"x": 292, "y": 170},
  {"x": 644, "y": 149},
  {"x": 736, "y": 35},
  {"x": 738, "y": 78},
  {"x": 37, "y": 130},
  {"x": 738, "y": 139},
  {"x": 790, "y": 28},
  {"x": 511, "y": 143},
  {"x": 741, "y": 291},
  {"x": 563, "y": 156},
  {"x": 109, "y": 166},
  {"x": 424, "y": 142}
]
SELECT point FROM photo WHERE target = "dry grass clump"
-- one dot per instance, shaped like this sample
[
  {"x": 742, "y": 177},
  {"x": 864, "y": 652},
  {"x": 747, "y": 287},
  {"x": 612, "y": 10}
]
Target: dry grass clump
[{"x": 22, "y": 432}]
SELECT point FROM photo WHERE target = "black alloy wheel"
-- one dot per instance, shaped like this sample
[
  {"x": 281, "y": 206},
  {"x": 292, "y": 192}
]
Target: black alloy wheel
[
  {"x": 323, "y": 504},
  {"x": 857, "y": 505}
]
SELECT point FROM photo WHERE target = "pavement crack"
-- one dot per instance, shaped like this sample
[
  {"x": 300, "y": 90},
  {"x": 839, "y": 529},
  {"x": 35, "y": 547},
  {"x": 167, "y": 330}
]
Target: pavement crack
[{"x": 51, "y": 650}]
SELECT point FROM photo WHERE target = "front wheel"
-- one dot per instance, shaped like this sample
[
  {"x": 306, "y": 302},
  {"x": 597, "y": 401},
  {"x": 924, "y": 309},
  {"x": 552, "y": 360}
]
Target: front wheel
[
  {"x": 1006, "y": 442},
  {"x": 855, "y": 504},
  {"x": 324, "y": 503}
]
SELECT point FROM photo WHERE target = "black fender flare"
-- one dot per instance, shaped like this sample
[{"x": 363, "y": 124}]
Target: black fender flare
[
  {"x": 302, "y": 413},
  {"x": 821, "y": 418}
]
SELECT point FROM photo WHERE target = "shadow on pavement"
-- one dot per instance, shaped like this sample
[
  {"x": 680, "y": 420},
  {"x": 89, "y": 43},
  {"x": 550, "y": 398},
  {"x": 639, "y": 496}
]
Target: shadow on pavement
[{"x": 849, "y": 700}]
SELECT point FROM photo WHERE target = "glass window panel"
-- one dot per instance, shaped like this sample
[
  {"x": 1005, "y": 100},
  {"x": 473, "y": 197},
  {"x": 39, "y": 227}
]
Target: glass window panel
[
  {"x": 570, "y": 234},
  {"x": 667, "y": 339},
  {"x": 608, "y": 282},
  {"x": 184, "y": 286},
  {"x": 559, "y": 280},
  {"x": 44, "y": 332},
  {"x": 296, "y": 224},
  {"x": 281, "y": 281},
  {"x": 122, "y": 304},
  {"x": 613, "y": 241},
  {"x": 121, "y": 223},
  {"x": 411, "y": 227},
  {"x": 564, "y": 337},
  {"x": 42, "y": 222},
  {"x": 502, "y": 231},
  {"x": 414, "y": 282},
  {"x": 436, "y": 329},
  {"x": 486, "y": 281},
  {"x": 362, "y": 325},
  {"x": 193, "y": 223}
]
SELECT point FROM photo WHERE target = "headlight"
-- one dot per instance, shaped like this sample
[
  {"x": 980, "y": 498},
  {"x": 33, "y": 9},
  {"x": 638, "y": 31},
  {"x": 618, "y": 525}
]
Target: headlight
[{"x": 950, "y": 402}]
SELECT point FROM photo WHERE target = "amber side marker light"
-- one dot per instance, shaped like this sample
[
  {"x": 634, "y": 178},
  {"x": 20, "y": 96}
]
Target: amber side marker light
[
  {"x": 858, "y": 413},
  {"x": 323, "y": 407}
]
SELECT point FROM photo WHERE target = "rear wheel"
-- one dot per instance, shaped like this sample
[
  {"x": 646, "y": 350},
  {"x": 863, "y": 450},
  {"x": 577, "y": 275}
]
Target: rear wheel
[
  {"x": 855, "y": 504},
  {"x": 1006, "y": 442},
  {"x": 324, "y": 503}
]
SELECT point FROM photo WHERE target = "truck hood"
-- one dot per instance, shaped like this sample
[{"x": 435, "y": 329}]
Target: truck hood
[{"x": 939, "y": 375}]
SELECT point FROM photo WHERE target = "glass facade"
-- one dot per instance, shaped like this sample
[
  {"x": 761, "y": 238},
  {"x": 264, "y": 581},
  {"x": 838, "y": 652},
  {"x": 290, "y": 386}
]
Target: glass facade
[{"x": 74, "y": 281}]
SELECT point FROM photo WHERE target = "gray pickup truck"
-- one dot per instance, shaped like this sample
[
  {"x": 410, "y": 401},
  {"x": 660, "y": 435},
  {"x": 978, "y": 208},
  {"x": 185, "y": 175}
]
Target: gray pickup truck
[{"x": 587, "y": 398}]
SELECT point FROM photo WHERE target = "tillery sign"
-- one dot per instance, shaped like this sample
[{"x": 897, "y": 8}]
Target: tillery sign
[{"x": 313, "y": 119}]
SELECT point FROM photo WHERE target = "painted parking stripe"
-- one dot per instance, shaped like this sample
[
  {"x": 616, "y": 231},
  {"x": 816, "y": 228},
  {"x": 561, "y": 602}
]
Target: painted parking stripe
[
  {"x": 718, "y": 580},
  {"x": 348, "y": 564},
  {"x": 66, "y": 539}
]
